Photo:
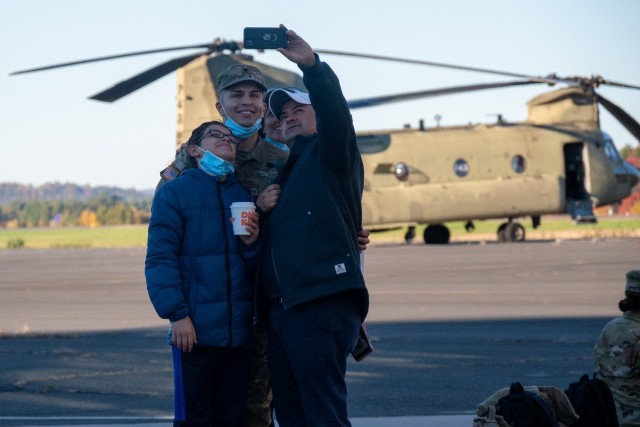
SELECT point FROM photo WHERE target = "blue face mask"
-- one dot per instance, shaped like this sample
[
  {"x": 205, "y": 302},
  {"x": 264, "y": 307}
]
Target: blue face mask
[
  {"x": 241, "y": 131},
  {"x": 276, "y": 144},
  {"x": 214, "y": 165}
]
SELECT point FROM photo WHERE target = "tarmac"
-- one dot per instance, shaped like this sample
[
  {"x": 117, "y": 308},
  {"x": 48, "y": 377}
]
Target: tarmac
[
  {"x": 411, "y": 287},
  {"x": 459, "y": 420}
]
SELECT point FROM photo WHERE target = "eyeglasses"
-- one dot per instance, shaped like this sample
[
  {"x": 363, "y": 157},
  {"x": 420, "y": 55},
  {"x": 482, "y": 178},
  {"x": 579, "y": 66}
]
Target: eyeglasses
[{"x": 221, "y": 135}]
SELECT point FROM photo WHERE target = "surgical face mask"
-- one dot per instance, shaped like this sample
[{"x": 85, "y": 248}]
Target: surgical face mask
[
  {"x": 240, "y": 131},
  {"x": 276, "y": 144},
  {"x": 214, "y": 165}
]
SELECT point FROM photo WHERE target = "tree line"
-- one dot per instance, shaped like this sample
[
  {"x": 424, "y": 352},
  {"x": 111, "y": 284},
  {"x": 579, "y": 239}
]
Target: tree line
[
  {"x": 69, "y": 205},
  {"x": 91, "y": 213},
  {"x": 631, "y": 205}
]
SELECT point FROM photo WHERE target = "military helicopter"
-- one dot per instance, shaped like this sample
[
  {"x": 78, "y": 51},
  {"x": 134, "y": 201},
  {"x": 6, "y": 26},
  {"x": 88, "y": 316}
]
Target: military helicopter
[{"x": 557, "y": 161}]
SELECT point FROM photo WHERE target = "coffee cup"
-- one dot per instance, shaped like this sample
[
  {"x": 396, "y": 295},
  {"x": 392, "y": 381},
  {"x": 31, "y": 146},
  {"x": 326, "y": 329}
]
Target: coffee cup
[{"x": 240, "y": 215}]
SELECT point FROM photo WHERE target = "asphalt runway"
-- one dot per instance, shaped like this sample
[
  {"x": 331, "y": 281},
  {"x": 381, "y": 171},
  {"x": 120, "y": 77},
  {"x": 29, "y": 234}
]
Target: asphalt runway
[{"x": 80, "y": 343}]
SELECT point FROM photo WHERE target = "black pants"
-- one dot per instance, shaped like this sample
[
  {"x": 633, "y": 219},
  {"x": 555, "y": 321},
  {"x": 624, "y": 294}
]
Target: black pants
[
  {"x": 210, "y": 386},
  {"x": 307, "y": 356}
]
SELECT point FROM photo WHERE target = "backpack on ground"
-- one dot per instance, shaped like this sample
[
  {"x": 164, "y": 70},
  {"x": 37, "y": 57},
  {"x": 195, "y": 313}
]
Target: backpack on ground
[
  {"x": 593, "y": 401},
  {"x": 490, "y": 419},
  {"x": 521, "y": 408}
]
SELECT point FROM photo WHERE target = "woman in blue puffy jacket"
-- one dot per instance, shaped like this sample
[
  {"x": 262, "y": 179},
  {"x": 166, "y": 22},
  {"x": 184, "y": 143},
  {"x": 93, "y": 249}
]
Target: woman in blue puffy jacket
[{"x": 198, "y": 276}]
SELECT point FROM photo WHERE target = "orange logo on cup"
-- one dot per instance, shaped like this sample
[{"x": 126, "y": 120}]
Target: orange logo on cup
[{"x": 245, "y": 218}]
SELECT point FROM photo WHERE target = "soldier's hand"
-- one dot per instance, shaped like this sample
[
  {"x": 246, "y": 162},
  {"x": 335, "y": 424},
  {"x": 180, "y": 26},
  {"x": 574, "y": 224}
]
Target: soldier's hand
[
  {"x": 181, "y": 160},
  {"x": 363, "y": 239}
]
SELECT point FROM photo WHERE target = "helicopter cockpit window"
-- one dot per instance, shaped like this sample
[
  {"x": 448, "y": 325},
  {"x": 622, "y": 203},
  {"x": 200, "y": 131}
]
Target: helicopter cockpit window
[
  {"x": 461, "y": 168},
  {"x": 369, "y": 144},
  {"x": 582, "y": 99},
  {"x": 518, "y": 163},
  {"x": 611, "y": 152}
]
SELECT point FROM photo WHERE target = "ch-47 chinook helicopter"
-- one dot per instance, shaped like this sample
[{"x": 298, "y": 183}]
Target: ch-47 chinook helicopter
[{"x": 557, "y": 161}]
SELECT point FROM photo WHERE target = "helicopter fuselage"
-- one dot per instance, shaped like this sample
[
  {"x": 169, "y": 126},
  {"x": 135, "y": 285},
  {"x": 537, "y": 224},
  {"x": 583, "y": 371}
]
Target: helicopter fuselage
[{"x": 481, "y": 172}]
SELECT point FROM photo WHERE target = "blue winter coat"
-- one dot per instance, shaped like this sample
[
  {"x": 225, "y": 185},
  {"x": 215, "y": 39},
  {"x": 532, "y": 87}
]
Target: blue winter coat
[{"x": 195, "y": 266}]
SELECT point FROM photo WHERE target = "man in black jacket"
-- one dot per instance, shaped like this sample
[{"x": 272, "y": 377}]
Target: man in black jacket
[{"x": 310, "y": 270}]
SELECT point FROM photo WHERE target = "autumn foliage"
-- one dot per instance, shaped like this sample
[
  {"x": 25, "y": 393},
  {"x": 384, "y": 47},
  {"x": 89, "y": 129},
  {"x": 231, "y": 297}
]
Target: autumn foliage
[{"x": 630, "y": 205}]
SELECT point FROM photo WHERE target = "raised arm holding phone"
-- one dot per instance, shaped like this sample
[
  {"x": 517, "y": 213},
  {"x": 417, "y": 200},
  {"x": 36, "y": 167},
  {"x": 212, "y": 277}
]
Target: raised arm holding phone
[{"x": 312, "y": 286}]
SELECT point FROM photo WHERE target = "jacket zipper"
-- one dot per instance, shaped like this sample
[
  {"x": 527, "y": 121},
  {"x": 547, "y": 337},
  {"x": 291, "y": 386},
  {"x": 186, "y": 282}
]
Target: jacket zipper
[{"x": 275, "y": 273}]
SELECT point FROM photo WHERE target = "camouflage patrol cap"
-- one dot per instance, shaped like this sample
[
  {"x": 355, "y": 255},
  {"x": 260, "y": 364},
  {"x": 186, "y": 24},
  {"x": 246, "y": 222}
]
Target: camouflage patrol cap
[
  {"x": 238, "y": 73},
  {"x": 633, "y": 283}
]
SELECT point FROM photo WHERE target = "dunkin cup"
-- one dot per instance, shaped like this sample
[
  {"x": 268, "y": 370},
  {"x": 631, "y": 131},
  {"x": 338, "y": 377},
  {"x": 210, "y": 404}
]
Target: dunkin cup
[{"x": 240, "y": 215}]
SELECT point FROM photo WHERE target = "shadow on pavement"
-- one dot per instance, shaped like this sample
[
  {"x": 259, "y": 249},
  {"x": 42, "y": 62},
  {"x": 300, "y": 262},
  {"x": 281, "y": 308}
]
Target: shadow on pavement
[{"x": 417, "y": 368}]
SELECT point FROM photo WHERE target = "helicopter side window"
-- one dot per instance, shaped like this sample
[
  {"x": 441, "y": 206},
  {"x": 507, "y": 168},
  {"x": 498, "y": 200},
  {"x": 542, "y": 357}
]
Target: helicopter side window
[
  {"x": 461, "y": 168},
  {"x": 369, "y": 144},
  {"x": 518, "y": 163},
  {"x": 401, "y": 171}
]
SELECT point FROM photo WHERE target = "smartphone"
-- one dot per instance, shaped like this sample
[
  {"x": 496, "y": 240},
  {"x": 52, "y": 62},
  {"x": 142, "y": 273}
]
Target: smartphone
[
  {"x": 363, "y": 346},
  {"x": 265, "y": 37}
]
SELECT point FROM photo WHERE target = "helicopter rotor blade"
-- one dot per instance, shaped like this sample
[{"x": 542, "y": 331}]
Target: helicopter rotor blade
[
  {"x": 138, "y": 81},
  {"x": 552, "y": 80},
  {"x": 618, "y": 84},
  {"x": 389, "y": 99},
  {"x": 622, "y": 116},
  {"x": 106, "y": 58}
]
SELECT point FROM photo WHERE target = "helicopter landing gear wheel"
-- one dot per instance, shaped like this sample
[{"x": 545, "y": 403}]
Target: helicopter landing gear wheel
[
  {"x": 410, "y": 234},
  {"x": 436, "y": 234},
  {"x": 512, "y": 232},
  {"x": 501, "y": 236}
]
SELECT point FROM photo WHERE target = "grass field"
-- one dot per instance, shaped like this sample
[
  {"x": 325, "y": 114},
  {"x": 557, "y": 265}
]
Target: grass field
[
  {"x": 77, "y": 237},
  {"x": 136, "y": 236}
]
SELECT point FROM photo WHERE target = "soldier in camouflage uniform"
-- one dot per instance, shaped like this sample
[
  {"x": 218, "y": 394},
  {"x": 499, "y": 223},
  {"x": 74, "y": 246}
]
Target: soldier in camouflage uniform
[
  {"x": 617, "y": 354},
  {"x": 258, "y": 169}
]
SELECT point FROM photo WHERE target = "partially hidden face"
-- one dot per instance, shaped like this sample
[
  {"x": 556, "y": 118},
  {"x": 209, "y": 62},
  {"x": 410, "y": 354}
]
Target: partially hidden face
[{"x": 273, "y": 127}]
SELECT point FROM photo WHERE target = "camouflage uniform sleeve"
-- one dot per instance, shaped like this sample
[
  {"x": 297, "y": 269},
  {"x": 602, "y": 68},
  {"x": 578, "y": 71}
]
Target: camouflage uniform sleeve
[
  {"x": 616, "y": 361},
  {"x": 181, "y": 163}
]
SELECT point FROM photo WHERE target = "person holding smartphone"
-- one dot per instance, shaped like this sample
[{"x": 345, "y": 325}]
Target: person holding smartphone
[{"x": 311, "y": 285}]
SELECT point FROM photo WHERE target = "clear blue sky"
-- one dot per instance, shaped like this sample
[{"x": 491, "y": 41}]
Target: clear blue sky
[{"x": 51, "y": 132}]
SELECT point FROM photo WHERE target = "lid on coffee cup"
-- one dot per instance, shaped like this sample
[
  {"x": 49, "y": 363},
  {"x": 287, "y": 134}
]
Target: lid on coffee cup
[{"x": 243, "y": 205}]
